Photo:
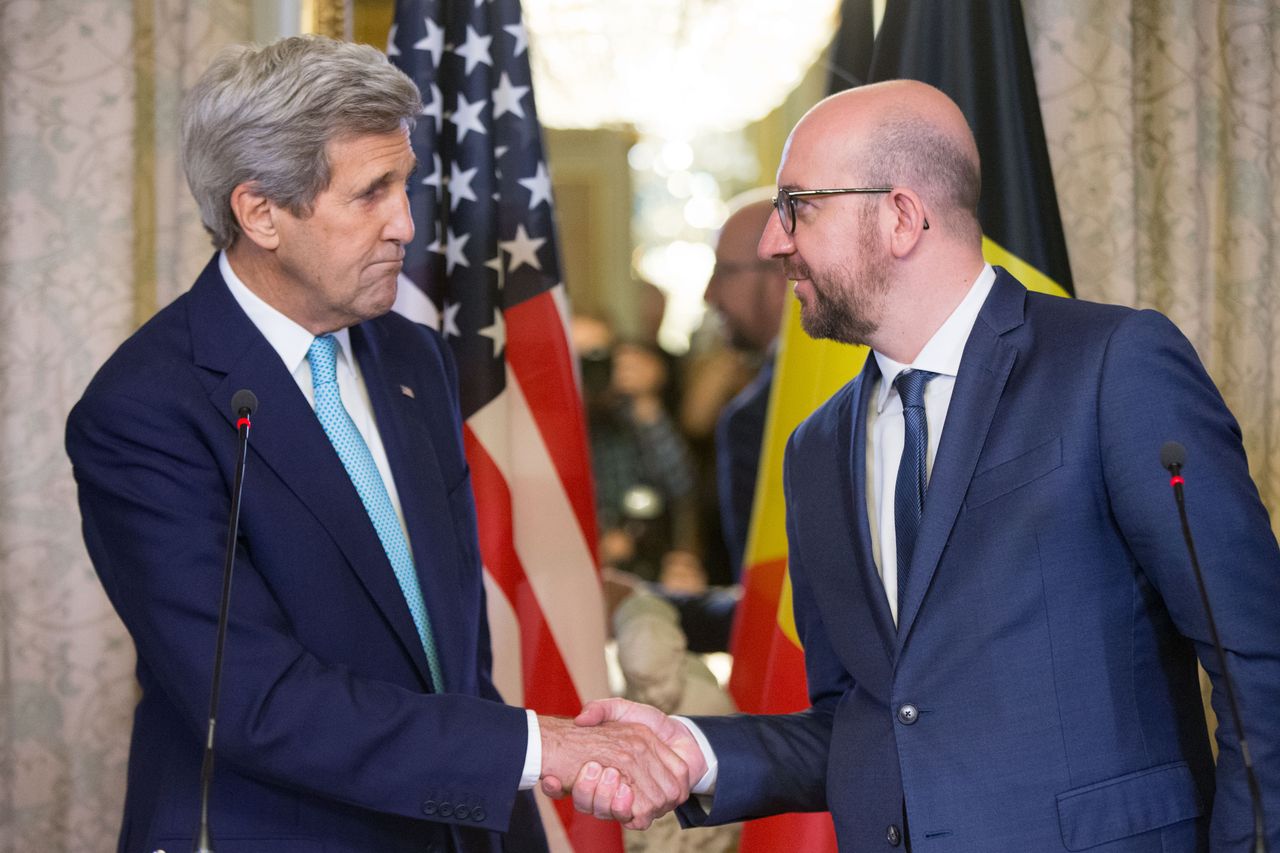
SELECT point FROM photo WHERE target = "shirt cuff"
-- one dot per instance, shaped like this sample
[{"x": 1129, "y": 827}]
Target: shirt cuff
[
  {"x": 707, "y": 784},
  {"x": 532, "y": 754}
]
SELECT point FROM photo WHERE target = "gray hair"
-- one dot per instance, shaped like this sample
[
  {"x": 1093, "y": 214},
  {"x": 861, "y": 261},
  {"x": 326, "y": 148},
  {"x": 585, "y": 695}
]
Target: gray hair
[{"x": 265, "y": 116}]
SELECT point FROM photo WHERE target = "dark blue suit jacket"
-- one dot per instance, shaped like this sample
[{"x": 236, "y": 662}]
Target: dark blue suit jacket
[
  {"x": 1051, "y": 625},
  {"x": 330, "y": 735},
  {"x": 739, "y": 437}
]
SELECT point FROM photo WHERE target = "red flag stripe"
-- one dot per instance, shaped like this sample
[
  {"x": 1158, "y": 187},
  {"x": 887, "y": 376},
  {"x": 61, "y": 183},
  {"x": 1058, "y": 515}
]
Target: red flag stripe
[
  {"x": 755, "y": 625},
  {"x": 538, "y": 353},
  {"x": 562, "y": 577},
  {"x": 547, "y": 684}
]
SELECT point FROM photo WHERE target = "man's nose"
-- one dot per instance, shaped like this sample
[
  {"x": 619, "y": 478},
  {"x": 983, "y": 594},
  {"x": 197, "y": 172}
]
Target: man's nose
[{"x": 774, "y": 242}]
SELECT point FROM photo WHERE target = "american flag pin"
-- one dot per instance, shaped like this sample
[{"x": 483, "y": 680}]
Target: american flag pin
[{"x": 407, "y": 391}]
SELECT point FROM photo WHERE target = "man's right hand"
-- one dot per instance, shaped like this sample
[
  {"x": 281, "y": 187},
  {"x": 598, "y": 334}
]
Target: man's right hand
[
  {"x": 621, "y": 769},
  {"x": 601, "y": 793}
]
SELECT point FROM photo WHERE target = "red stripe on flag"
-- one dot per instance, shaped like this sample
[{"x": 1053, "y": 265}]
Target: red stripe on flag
[
  {"x": 755, "y": 624},
  {"x": 538, "y": 354},
  {"x": 812, "y": 832},
  {"x": 771, "y": 677},
  {"x": 547, "y": 685},
  {"x": 786, "y": 689}
]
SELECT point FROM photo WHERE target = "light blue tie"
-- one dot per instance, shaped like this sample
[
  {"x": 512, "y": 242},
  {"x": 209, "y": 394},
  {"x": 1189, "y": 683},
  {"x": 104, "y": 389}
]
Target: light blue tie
[
  {"x": 362, "y": 470},
  {"x": 908, "y": 499}
]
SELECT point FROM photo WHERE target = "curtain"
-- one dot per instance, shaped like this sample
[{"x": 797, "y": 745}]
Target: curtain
[
  {"x": 1163, "y": 124},
  {"x": 97, "y": 229}
]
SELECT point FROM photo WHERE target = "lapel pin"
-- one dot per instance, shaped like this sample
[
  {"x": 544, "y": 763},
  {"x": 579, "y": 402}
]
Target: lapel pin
[{"x": 407, "y": 391}]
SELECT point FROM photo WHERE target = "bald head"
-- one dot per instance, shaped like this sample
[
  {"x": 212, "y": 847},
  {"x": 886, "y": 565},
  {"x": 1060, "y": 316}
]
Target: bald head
[
  {"x": 747, "y": 292},
  {"x": 900, "y": 133}
]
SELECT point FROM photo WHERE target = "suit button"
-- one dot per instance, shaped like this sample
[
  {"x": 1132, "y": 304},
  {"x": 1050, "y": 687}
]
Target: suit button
[
  {"x": 429, "y": 807},
  {"x": 477, "y": 814},
  {"x": 907, "y": 715},
  {"x": 893, "y": 836},
  {"x": 461, "y": 812},
  {"x": 446, "y": 810}
]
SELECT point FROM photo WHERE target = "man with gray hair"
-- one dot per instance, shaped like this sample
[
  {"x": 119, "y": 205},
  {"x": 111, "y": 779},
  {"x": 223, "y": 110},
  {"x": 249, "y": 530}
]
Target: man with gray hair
[{"x": 357, "y": 711}]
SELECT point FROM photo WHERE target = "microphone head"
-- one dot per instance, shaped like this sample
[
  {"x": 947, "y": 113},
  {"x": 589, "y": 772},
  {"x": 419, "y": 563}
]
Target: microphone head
[
  {"x": 1172, "y": 454},
  {"x": 244, "y": 403}
]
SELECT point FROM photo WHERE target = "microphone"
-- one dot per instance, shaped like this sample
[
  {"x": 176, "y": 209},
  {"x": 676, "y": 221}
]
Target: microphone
[
  {"x": 1172, "y": 457},
  {"x": 243, "y": 404}
]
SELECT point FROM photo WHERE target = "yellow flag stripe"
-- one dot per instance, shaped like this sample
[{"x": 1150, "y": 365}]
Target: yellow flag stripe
[{"x": 999, "y": 256}]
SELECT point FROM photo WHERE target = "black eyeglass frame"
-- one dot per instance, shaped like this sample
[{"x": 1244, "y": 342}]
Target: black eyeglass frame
[{"x": 785, "y": 200}]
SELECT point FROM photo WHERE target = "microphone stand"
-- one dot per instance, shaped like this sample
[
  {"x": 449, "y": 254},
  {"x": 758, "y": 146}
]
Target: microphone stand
[
  {"x": 244, "y": 403},
  {"x": 1172, "y": 456}
]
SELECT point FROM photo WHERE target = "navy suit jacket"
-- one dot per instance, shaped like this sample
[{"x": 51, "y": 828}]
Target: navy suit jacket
[
  {"x": 1051, "y": 624},
  {"x": 331, "y": 736},
  {"x": 739, "y": 437}
]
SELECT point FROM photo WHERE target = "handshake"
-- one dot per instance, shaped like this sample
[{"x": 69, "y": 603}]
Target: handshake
[{"x": 625, "y": 762}]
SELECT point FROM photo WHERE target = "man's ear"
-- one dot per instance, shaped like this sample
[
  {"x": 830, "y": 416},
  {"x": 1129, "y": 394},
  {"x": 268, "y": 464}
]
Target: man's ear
[
  {"x": 257, "y": 215},
  {"x": 909, "y": 221}
]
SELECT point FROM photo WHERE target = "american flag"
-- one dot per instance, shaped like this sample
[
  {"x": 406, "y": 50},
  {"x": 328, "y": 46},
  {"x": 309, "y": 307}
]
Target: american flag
[{"x": 484, "y": 271}]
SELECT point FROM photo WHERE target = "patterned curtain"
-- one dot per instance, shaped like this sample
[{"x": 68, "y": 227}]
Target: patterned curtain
[
  {"x": 1163, "y": 123},
  {"x": 96, "y": 230}
]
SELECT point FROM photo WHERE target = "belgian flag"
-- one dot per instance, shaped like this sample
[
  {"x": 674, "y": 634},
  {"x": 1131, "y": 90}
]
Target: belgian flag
[{"x": 976, "y": 51}]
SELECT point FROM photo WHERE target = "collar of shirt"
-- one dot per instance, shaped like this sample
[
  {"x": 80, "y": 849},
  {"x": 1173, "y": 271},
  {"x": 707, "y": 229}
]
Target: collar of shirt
[
  {"x": 942, "y": 353},
  {"x": 286, "y": 337}
]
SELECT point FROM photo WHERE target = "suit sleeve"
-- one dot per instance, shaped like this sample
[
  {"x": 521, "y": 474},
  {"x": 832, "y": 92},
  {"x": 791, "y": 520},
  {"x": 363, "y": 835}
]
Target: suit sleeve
[
  {"x": 154, "y": 501},
  {"x": 1154, "y": 389},
  {"x": 771, "y": 764}
]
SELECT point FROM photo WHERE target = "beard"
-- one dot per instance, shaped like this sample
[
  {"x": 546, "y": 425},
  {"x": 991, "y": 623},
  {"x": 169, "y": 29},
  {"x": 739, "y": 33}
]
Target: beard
[{"x": 848, "y": 301}]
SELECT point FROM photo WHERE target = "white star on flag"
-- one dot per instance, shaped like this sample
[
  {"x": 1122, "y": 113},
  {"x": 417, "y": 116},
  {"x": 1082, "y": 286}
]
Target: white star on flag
[
  {"x": 521, "y": 37},
  {"x": 436, "y": 178},
  {"x": 523, "y": 249},
  {"x": 435, "y": 245},
  {"x": 451, "y": 319},
  {"x": 436, "y": 108},
  {"x": 497, "y": 332},
  {"x": 506, "y": 98},
  {"x": 495, "y": 264},
  {"x": 392, "y": 50},
  {"x": 460, "y": 186},
  {"x": 475, "y": 49},
  {"x": 453, "y": 256},
  {"x": 432, "y": 42},
  {"x": 467, "y": 117},
  {"x": 539, "y": 186}
]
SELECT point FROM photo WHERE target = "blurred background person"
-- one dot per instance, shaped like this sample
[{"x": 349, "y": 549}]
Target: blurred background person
[{"x": 748, "y": 295}]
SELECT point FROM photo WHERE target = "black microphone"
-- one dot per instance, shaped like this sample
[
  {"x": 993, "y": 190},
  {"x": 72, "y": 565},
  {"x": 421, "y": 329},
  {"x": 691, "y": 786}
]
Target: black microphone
[
  {"x": 1172, "y": 457},
  {"x": 243, "y": 404}
]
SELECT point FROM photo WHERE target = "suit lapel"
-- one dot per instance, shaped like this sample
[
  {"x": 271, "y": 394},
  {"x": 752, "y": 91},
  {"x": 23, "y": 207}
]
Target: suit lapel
[
  {"x": 411, "y": 451},
  {"x": 984, "y": 369},
  {"x": 287, "y": 437}
]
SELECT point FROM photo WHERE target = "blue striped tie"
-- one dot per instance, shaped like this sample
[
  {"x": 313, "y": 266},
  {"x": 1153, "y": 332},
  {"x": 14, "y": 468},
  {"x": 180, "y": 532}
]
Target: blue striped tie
[
  {"x": 362, "y": 470},
  {"x": 908, "y": 500}
]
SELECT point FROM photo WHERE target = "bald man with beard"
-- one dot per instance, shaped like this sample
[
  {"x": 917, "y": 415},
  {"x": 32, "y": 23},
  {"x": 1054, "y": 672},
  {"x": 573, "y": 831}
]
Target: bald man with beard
[{"x": 1000, "y": 623}]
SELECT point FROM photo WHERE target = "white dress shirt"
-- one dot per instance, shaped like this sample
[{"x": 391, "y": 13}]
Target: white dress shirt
[
  {"x": 886, "y": 428},
  {"x": 885, "y": 435},
  {"x": 291, "y": 341}
]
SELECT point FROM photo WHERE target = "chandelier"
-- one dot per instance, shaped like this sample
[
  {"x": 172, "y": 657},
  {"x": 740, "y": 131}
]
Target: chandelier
[{"x": 671, "y": 67}]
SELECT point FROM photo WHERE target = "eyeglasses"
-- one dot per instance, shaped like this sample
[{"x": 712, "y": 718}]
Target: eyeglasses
[{"x": 785, "y": 202}]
